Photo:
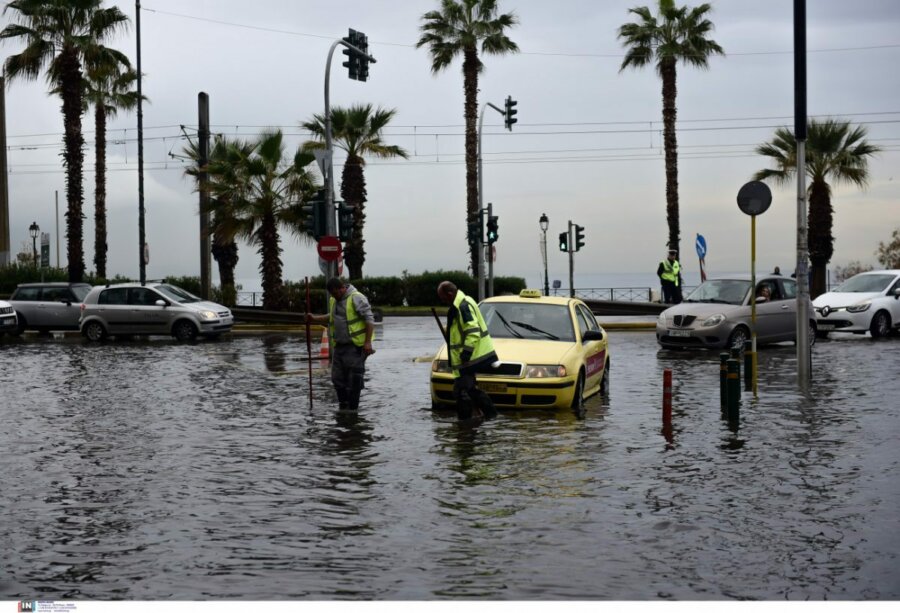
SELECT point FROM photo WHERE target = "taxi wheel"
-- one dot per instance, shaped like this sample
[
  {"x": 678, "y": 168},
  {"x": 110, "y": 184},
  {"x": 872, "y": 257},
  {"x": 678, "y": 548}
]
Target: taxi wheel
[
  {"x": 578, "y": 398},
  {"x": 604, "y": 381}
]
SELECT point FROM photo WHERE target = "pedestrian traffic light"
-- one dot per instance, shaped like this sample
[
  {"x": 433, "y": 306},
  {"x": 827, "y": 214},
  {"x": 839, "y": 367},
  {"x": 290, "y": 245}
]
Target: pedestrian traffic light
[
  {"x": 564, "y": 241},
  {"x": 510, "y": 112},
  {"x": 315, "y": 215},
  {"x": 352, "y": 63},
  {"x": 345, "y": 221},
  {"x": 492, "y": 230},
  {"x": 362, "y": 60},
  {"x": 579, "y": 237}
]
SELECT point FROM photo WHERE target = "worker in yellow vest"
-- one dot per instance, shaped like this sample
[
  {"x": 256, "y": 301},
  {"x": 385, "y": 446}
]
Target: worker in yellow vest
[
  {"x": 669, "y": 273},
  {"x": 351, "y": 326}
]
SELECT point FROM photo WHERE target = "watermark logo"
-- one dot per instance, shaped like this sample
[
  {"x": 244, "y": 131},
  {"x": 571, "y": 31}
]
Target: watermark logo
[{"x": 27, "y": 606}]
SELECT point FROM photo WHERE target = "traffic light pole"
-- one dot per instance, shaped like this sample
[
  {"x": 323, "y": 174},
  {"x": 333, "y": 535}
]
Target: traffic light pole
[
  {"x": 490, "y": 255},
  {"x": 571, "y": 246},
  {"x": 330, "y": 222},
  {"x": 480, "y": 244}
]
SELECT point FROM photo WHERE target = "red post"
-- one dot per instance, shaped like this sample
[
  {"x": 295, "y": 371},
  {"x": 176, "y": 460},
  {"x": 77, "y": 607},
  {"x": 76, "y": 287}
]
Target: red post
[{"x": 667, "y": 397}]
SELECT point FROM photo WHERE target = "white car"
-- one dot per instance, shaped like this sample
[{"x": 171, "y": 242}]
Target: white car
[
  {"x": 869, "y": 301},
  {"x": 8, "y": 320}
]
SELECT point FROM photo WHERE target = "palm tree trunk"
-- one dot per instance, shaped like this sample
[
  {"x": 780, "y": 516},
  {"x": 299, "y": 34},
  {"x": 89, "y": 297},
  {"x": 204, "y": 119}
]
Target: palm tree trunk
[
  {"x": 470, "y": 85},
  {"x": 73, "y": 158},
  {"x": 353, "y": 192},
  {"x": 820, "y": 240},
  {"x": 226, "y": 255},
  {"x": 670, "y": 142},
  {"x": 100, "y": 246},
  {"x": 270, "y": 265}
]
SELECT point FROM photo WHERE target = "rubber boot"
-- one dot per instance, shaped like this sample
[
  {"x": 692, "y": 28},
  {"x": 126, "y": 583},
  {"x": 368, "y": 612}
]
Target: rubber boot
[
  {"x": 356, "y": 386},
  {"x": 343, "y": 398}
]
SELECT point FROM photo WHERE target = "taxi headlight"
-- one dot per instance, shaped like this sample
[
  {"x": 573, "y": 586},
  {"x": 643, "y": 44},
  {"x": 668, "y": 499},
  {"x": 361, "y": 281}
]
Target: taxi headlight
[
  {"x": 543, "y": 371},
  {"x": 859, "y": 308},
  {"x": 440, "y": 366},
  {"x": 208, "y": 315},
  {"x": 713, "y": 320}
]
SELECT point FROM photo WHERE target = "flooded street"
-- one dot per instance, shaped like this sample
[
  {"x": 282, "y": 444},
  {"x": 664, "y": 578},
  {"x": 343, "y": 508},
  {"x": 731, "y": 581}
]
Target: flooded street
[{"x": 154, "y": 470}]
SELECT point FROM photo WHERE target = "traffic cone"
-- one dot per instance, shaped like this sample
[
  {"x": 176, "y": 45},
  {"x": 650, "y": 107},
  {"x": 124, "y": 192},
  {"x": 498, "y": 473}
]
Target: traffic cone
[{"x": 324, "y": 350}]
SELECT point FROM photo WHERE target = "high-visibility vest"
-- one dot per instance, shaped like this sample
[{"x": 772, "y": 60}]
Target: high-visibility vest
[
  {"x": 670, "y": 271},
  {"x": 468, "y": 334},
  {"x": 356, "y": 325}
]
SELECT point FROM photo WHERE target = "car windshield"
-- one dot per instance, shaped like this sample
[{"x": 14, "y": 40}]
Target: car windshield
[
  {"x": 81, "y": 292},
  {"x": 724, "y": 291},
  {"x": 865, "y": 284},
  {"x": 176, "y": 293},
  {"x": 544, "y": 322}
]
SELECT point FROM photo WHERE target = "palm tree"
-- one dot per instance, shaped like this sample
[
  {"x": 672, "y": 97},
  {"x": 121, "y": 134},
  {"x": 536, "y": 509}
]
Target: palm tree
[
  {"x": 457, "y": 29},
  {"x": 261, "y": 191},
  {"x": 224, "y": 248},
  {"x": 61, "y": 36},
  {"x": 109, "y": 89},
  {"x": 678, "y": 33},
  {"x": 357, "y": 131},
  {"x": 836, "y": 152}
]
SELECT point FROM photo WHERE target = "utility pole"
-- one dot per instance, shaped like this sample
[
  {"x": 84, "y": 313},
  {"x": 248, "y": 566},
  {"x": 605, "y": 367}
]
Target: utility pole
[
  {"x": 142, "y": 252},
  {"x": 804, "y": 356},
  {"x": 4, "y": 180},
  {"x": 203, "y": 150}
]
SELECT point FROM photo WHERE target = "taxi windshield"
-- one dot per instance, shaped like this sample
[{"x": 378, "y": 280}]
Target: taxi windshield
[{"x": 530, "y": 321}]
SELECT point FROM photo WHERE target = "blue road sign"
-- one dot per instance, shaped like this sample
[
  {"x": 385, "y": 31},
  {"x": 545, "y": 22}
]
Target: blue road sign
[{"x": 701, "y": 246}]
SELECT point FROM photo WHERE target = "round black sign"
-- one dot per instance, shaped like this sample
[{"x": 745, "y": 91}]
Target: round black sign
[{"x": 754, "y": 198}]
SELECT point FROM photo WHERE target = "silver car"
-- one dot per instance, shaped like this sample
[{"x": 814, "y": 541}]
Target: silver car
[
  {"x": 717, "y": 314},
  {"x": 8, "y": 320},
  {"x": 48, "y": 306},
  {"x": 153, "y": 308}
]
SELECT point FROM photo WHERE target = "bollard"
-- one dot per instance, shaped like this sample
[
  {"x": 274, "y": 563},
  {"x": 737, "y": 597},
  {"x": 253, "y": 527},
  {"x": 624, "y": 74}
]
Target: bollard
[
  {"x": 736, "y": 355},
  {"x": 748, "y": 366},
  {"x": 734, "y": 389},
  {"x": 723, "y": 377},
  {"x": 667, "y": 397}
]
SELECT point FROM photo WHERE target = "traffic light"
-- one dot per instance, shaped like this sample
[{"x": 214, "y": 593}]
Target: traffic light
[
  {"x": 474, "y": 232},
  {"x": 315, "y": 219},
  {"x": 579, "y": 237},
  {"x": 564, "y": 241},
  {"x": 362, "y": 61},
  {"x": 492, "y": 230},
  {"x": 345, "y": 222},
  {"x": 352, "y": 62},
  {"x": 510, "y": 112}
]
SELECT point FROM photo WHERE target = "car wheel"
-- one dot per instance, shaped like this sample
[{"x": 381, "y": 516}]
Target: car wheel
[
  {"x": 812, "y": 333},
  {"x": 20, "y": 326},
  {"x": 184, "y": 330},
  {"x": 578, "y": 398},
  {"x": 604, "y": 381},
  {"x": 739, "y": 336},
  {"x": 881, "y": 324},
  {"x": 94, "y": 331}
]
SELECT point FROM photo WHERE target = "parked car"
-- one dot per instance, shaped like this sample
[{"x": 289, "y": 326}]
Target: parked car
[
  {"x": 152, "y": 308},
  {"x": 48, "y": 306},
  {"x": 9, "y": 323},
  {"x": 552, "y": 354},
  {"x": 717, "y": 314},
  {"x": 869, "y": 301}
]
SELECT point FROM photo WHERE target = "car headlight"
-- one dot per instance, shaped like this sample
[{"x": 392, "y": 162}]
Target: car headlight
[
  {"x": 208, "y": 315},
  {"x": 662, "y": 320},
  {"x": 542, "y": 371},
  {"x": 859, "y": 308},
  {"x": 440, "y": 366},
  {"x": 713, "y": 320}
]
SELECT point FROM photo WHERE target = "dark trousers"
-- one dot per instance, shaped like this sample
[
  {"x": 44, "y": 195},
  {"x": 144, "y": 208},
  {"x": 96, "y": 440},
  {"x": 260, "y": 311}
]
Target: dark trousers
[
  {"x": 671, "y": 292},
  {"x": 348, "y": 370},
  {"x": 468, "y": 396}
]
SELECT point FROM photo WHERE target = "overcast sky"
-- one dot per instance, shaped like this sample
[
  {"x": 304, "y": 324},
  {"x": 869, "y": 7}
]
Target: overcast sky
[{"x": 587, "y": 146}]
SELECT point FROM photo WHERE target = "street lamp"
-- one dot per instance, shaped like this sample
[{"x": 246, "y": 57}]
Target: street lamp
[
  {"x": 545, "y": 223},
  {"x": 34, "y": 230}
]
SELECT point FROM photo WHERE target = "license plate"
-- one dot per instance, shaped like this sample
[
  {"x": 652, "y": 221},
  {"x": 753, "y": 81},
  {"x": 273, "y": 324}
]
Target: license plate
[
  {"x": 825, "y": 326},
  {"x": 679, "y": 332},
  {"x": 496, "y": 388}
]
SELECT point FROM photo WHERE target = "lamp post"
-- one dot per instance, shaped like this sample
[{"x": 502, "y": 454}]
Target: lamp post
[
  {"x": 545, "y": 223},
  {"x": 34, "y": 230}
]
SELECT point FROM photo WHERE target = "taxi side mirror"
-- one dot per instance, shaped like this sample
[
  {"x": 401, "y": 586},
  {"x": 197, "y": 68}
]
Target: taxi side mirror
[{"x": 592, "y": 335}]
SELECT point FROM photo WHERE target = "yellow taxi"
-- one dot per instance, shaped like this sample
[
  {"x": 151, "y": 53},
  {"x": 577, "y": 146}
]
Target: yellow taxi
[{"x": 552, "y": 354}]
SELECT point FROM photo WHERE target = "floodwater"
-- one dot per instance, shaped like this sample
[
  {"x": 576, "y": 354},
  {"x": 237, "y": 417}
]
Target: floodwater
[{"x": 154, "y": 470}]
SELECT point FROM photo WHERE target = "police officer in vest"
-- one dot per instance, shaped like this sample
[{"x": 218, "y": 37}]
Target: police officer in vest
[
  {"x": 470, "y": 350},
  {"x": 351, "y": 326},
  {"x": 669, "y": 273}
]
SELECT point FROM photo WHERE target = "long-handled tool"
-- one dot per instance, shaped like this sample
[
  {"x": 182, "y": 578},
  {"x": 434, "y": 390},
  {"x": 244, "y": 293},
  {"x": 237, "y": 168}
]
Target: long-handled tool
[
  {"x": 477, "y": 412},
  {"x": 308, "y": 344}
]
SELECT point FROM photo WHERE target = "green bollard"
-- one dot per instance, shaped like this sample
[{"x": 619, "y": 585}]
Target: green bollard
[
  {"x": 734, "y": 390},
  {"x": 723, "y": 377},
  {"x": 736, "y": 355},
  {"x": 748, "y": 366}
]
